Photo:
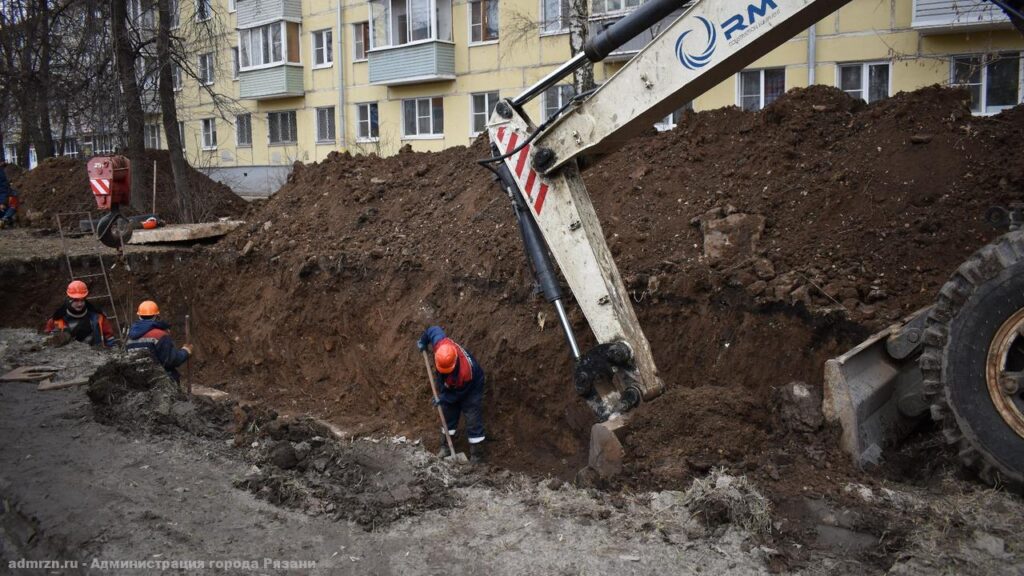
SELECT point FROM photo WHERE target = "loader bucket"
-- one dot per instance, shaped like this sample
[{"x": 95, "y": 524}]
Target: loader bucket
[{"x": 875, "y": 390}]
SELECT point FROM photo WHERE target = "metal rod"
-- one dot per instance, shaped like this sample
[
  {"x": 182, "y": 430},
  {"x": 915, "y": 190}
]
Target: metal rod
[
  {"x": 577, "y": 62},
  {"x": 567, "y": 328}
]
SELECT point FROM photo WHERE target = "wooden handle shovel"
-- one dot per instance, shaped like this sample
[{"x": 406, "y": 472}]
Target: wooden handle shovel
[{"x": 440, "y": 413}]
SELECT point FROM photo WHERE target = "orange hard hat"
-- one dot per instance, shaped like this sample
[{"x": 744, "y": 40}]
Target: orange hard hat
[
  {"x": 148, "y": 308},
  {"x": 445, "y": 357},
  {"x": 77, "y": 290},
  {"x": 149, "y": 223}
]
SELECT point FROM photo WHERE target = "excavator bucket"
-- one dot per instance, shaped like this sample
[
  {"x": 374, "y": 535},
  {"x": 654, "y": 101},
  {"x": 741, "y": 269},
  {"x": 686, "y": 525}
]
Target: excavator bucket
[{"x": 874, "y": 391}]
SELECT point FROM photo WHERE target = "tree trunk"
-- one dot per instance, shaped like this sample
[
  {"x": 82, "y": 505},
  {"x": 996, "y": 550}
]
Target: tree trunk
[
  {"x": 582, "y": 79},
  {"x": 44, "y": 145},
  {"x": 169, "y": 112},
  {"x": 124, "y": 53}
]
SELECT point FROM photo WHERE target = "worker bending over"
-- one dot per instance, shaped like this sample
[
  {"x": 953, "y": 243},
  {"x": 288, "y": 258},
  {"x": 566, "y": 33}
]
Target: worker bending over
[
  {"x": 77, "y": 319},
  {"x": 462, "y": 388},
  {"x": 150, "y": 333}
]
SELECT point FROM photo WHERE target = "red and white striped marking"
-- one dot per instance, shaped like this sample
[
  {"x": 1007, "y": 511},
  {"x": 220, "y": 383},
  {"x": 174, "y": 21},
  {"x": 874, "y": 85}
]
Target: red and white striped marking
[
  {"x": 529, "y": 181},
  {"x": 100, "y": 187}
]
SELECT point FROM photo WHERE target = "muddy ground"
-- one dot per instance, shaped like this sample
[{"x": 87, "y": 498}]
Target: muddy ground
[
  {"x": 840, "y": 218},
  {"x": 128, "y": 468}
]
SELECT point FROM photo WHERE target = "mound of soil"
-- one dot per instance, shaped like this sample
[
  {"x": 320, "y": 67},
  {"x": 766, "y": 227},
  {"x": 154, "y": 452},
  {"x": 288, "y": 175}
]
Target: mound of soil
[{"x": 61, "y": 184}]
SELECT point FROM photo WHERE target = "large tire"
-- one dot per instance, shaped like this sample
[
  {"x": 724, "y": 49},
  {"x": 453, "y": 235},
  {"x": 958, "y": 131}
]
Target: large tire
[{"x": 971, "y": 348}]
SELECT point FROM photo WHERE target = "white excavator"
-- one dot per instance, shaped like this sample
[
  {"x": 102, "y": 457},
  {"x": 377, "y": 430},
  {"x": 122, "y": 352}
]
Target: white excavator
[{"x": 959, "y": 361}]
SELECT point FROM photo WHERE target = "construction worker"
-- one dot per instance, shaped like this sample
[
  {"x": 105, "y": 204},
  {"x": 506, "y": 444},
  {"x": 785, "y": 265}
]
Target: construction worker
[
  {"x": 150, "y": 333},
  {"x": 8, "y": 199},
  {"x": 79, "y": 320},
  {"x": 462, "y": 388}
]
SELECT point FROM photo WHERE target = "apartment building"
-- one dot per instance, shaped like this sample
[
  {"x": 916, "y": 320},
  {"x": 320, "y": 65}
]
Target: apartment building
[{"x": 308, "y": 77}]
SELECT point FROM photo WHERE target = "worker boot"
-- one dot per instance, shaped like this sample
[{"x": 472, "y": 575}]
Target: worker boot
[
  {"x": 443, "y": 450},
  {"x": 477, "y": 454}
]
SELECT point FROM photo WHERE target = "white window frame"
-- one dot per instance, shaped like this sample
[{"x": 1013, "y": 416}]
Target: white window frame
[
  {"x": 328, "y": 48},
  {"x": 232, "y": 7},
  {"x": 985, "y": 60},
  {"x": 181, "y": 133},
  {"x": 209, "y": 10},
  {"x": 238, "y": 125},
  {"x": 369, "y": 124},
  {"x": 151, "y": 136},
  {"x": 358, "y": 38},
  {"x": 473, "y": 113},
  {"x": 545, "y": 26},
  {"x": 294, "y": 118},
  {"x": 432, "y": 134},
  {"x": 761, "y": 94},
  {"x": 436, "y": 9},
  {"x": 176, "y": 82},
  {"x": 236, "y": 64},
  {"x": 669, "y": 122},
  {"x": 173, "y": 8},
  {"x": 209, "y": 78},
  {"x": 620, "y": 7},
  {"x": 245, "y": 36},
  {"x": 563, "y": 97},
  {"x": 469, "y": 21},
  {"x": 865, "y": 68},
  {"x": 332, "y": 124},
  {"x": 209, "y": 133}
]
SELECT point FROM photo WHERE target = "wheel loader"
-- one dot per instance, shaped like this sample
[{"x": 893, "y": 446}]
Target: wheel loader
[{"x": 959, "y": 361}]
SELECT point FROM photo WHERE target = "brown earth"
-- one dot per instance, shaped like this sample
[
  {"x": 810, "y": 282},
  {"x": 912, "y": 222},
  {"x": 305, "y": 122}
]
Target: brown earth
[
  {"x": 316, "y": 304},
  {"x": 61, "y": 184}
]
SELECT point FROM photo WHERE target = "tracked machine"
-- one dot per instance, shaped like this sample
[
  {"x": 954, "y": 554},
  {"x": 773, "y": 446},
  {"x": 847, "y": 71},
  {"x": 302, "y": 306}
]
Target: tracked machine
[{"x": 960, "y": 361}]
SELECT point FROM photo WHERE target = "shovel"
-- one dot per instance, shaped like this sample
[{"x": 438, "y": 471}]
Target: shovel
[{"x": 440, "y": 413}]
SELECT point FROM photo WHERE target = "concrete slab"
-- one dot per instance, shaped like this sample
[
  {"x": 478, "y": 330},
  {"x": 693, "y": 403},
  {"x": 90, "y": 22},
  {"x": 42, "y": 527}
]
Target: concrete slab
[{"x": 184, "y": 232}]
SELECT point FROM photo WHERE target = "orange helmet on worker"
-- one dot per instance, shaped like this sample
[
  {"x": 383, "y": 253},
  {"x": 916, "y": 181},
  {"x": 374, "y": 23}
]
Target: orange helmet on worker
[
  {"x": 152, "y": 334},
  {"x": 77, "y": 319}
]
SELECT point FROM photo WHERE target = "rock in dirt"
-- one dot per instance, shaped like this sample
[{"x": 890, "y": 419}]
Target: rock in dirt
[
  {"x": 798, "y": 406},
  {"x": 734, "y": 236},
  {"x": 283, "y": 456}
]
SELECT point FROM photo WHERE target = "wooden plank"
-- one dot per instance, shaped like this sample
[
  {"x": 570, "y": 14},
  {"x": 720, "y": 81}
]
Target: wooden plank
[
  {"x": 29, "y": 374},
  {"x": 61, "y": 384},
  {"x": 210, "y": 393},
  {"x": 184, "y": 232}
]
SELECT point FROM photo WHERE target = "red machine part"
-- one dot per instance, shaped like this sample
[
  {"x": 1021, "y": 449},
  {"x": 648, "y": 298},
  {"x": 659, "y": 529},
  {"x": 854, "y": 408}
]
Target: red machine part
[{"x": 110, "y": 178}]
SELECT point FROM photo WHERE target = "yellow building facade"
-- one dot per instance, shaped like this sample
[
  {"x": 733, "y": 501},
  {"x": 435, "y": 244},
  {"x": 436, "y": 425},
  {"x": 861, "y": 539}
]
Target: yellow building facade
[{"x": 303, "y": 78}]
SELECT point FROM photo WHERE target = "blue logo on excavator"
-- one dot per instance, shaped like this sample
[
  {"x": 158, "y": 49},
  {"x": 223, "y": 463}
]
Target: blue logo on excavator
[{"x": 695, "y": 61}]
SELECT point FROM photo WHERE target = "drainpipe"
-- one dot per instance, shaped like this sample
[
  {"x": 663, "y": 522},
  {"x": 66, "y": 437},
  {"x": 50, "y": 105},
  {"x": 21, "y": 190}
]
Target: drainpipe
[
  {"x": 812, "y": 61},
  {"x": 339, "y": 61}
]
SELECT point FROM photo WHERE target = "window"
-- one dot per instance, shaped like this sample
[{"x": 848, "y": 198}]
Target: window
[
  {"x": 483, "y": 20},
  {"x": 397, "y": 22},
  {"x": 325, "y": 124},
  {"x": 181, "y": 134},
  {"x": 103, "y": 144},
  {"x": 203, "y": 10},
  {"x": 176, "y": 78},
  {"x": 234, "y": 64},
  {"x": 282, "y": 127},
  {"x": 323, "y": 48},
  {"x": 231, "y": 6},
  {"x": 607, "y": 6},
  {"x": 759, "y": 88},
  {"x": 483, "y": 106},
  {"x": 368, "y": 127},
  {"x": 672, "y": 120},
  {"x": 994, "y": 81},
  {"x": 209, "y": 133},
  {"x": 360, "y": 39},
  {"x": 172, "y": 7},
  {"x": 206, "y": 69},
  {"x": 151, "y": 132},
  {"x": 267, "y": 45},
  {"x": 868, "y": 81},
  {"x": 556, "y": 16},
  {"x": 423, "y": 117},
  {"x": 243, "y": 130},
  {"x": 69, "y": 147},
  {"x": 556, "y": 97}
]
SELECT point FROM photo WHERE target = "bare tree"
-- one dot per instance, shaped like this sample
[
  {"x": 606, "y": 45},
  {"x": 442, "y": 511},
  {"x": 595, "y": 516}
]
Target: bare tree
[
  {"x": 125, "y": 53},
  {"x": 169, "y": 111},
  {"x": 579, "y": 30}
]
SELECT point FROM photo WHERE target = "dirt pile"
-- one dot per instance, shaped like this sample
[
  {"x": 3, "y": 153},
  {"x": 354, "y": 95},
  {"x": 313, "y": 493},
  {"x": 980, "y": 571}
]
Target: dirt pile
[{"x": 61, "y": 184}]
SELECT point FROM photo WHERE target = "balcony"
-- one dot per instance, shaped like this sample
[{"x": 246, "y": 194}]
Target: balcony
[
  {"x": 948, "y": 16},
  {"x": 600, "y": 22},
  {"x": 426, "y": 61},
  {"x": 279, "y": 81},
  {"x": 255, "y": 12}
]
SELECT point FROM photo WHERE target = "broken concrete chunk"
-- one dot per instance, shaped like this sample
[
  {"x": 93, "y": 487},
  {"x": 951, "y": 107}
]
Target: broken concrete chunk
[
  {"x": 732, "y": 237},
  {"x": 798, "y": 406}
]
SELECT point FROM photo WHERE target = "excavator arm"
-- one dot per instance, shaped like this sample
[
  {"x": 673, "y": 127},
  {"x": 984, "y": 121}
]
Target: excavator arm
[{"x": 538, "y": 167}]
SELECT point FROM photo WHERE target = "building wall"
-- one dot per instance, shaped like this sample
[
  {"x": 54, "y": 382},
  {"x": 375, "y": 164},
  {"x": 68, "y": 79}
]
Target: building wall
[{"x": 864, "y": 30}]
